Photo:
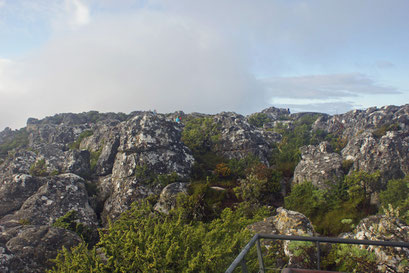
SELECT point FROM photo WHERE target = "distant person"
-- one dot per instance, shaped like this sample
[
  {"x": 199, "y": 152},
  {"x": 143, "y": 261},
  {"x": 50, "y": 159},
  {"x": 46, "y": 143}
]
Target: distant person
[{"x": 177, "y": 119}]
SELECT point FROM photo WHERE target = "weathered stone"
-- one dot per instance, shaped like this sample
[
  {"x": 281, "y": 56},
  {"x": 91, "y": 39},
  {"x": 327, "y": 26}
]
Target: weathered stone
[
  {"x": 167, "y": 198},
  {"x": 15, "y": 190},
  {"x": 57, "y": 196},
  {"x": 29, "y": 248},
  {"x": 389, "y": 154},
  {"x": 384, "y": 228},
  {"x": 287, "y": 222},
  {"x": 319, "y": 166},
  {"x": 239, "y": 139}
]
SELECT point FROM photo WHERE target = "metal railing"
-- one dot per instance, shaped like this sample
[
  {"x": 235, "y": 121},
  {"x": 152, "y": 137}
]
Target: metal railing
[{"x": 240, "y": 259}]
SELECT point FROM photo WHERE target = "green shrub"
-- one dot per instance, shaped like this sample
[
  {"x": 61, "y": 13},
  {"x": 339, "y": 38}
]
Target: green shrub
[
  {"x": 77, "y": 142},
  {"x": 18, "y": 140},
  {"x": 142, "y": 241},
  {"x": 70, "y": 221},
  {"x": 381, "y": 131},
  {"x": 39, "y": 168},
  {"x": 261, "y": 186},
  {"x": 346, "y": 165},
  {"x": 258, "y": 119},
  {"x": 93, "y": 159},
  {"x": 201, "y": 135}
]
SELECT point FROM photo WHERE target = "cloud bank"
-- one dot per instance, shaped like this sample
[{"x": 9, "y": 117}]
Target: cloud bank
[{"x": 205, "y": 56}]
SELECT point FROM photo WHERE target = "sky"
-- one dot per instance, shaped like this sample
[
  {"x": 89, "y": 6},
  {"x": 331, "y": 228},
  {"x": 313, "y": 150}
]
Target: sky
[{"x": 200, "y": 56}]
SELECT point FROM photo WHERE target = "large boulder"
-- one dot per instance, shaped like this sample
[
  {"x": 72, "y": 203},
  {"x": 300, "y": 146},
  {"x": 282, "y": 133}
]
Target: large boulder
[
  {"x": 387, "y": 154},
  {"x": 29, "y": 248},
  {"x": 15, "y": 190},
  {"x": 239, "y": 139},
  {"x": 55, "y": 197},
  {"x": 319, "y": 165},
  {"x": 149, "y": 146}
]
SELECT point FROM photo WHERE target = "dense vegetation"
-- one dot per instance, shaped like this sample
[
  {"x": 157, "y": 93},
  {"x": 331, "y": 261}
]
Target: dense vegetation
[
  {"x": 145, "y": 241},
  {"x": 19, "y": 139}
]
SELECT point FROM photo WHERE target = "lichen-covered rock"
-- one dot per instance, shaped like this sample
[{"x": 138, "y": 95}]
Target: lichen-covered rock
[
  {"x": 125, "y": 191},
  {"x": 319, "y": 166},
  {"x": 388, "y": 154},
  {"x": 238, "y": 138},
  {"x": 29, "y": 248},
  {"x": 151, "y": 141},
  {"x": 384, "y": 228},
  {"x": 57, "y": 196},
  {"x": 167, "y": 198},
  {"x": 15, "y": 190},
  {"x": 287, "y": 222}
]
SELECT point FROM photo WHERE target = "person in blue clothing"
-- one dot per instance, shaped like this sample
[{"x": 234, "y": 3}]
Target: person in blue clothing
[{"x": 177, "y": 119}]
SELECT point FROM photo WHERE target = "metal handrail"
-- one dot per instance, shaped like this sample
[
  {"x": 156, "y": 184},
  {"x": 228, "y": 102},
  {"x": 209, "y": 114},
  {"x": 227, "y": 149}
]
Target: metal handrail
[{"x": 256, "y": 239}]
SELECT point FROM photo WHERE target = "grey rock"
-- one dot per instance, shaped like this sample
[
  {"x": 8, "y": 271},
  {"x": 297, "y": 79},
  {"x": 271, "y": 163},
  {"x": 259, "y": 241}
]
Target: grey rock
[
  {"x": 167, "y": 198},
  {"x": 15, "y": 190},
  {"x": 384, "y": 228},
  {"x": 319, "y": 166},
  {"x": 30, "y": 248},
  {"x": 57, "y": 196},
  {"x": 287, "y": 222},
  {"x": 240, "y": 139}
]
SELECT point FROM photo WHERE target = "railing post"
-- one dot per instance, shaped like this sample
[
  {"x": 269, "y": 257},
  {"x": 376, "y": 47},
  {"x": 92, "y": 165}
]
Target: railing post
[
  {"x": 244, "y": 266},
  {"x": 260, "y": 257},
  {"x": 318, "y": 254}
]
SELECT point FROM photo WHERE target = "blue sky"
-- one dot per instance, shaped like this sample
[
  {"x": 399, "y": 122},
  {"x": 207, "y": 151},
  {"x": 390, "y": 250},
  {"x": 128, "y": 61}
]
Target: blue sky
[{"x": 206, "y": 56}]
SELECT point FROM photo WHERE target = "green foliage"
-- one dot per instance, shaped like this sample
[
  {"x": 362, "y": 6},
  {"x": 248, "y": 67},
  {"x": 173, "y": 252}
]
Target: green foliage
[
  {"x": 202, "y": 203},
  {"x": 261, "y": 186},
  {"x": 346, "y": 165},
  {"x": 24, "y": 221},
  {"x": 77, "y": 142},
  {"x": 396, "y": 195},
  {"x": 302, "y": 253},
  {"x": 381, "y": 131},
  {"x": 307, "y": 199},
  {"x": 142, "y": 241},
  {"x": 201, "y": 134},
  {"x": 286, "y": 155},
  {"x": 329, "y": 209},
  {"x": 39, "y": 168},
  {"x": 239, "y": 167},
  {"x": 18, "y": 140},
  {"x": 93, "y": 159},
  {"x": 349, "y": 258},
  {"x": 70, "y": 221},
  {"x": 146, "y": 176},
  {"x": 258, "y": 119}
]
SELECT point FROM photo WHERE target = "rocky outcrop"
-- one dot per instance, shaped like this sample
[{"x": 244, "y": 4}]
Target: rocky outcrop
[
  {"x": 387, "y": 154},
  {"x": 384, "y": 228},
  {"x": 319, "y": 165},
  {"x": 287, "y": 222},
  {"x": 29, "y": 248},
  {"x": 167, "y": 198},
  {"x": 53, "y": 199},
  {"x": 238, "y": 138}
]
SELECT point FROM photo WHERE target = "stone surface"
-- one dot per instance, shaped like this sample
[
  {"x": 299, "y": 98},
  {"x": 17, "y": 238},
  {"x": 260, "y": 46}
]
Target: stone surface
[
  {"x": 319, "y": 166},
  {"x": 29, "y": 248},
  {"x": 384, "y": 228},
  {"x": 167, "y": 198},
  {"x": 55, "y": 197},
  {"x": 287, "y": 222}
]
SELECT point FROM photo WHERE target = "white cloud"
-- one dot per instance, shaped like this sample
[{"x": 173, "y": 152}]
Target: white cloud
[
  {"x": 332, "y": 108},
  {"x": 325, "y": 86},
  {"x": 2, "y": 3},
  {"x": 79, "y": 13},
  {"x": 146, "y": 60}
]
